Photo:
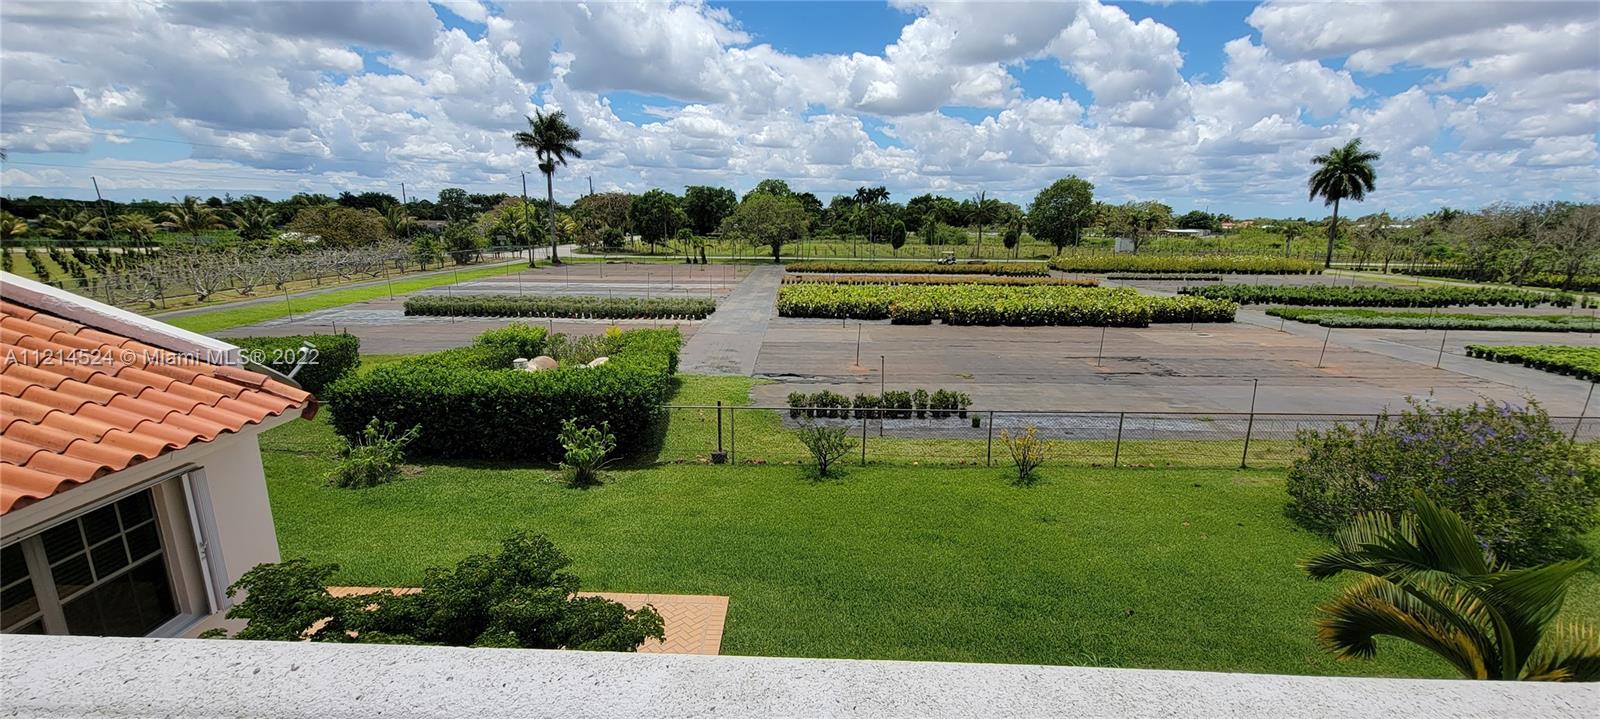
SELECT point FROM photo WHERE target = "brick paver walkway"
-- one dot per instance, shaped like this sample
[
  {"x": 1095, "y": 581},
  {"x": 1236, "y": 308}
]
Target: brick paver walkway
[{"x": 694, "y": 622}]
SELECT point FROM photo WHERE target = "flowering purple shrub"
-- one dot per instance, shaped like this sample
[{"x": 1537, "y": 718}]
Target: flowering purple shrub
[{"x": 1525, "y": 488}]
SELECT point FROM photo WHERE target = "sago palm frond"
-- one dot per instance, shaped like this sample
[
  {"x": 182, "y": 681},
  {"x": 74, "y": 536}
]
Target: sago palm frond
[
  {"x": 1568, "y": 652},
  {"x": 1372, "y": 607}
]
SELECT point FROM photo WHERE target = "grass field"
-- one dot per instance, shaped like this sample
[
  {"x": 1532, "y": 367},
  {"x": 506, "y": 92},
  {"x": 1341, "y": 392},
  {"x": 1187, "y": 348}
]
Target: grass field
[
  {"x": 225, "y": 317},
  {"x": 1186, "y": 569}
]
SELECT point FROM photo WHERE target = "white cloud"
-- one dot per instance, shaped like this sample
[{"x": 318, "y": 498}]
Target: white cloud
[{"x": 363, "y": 95}]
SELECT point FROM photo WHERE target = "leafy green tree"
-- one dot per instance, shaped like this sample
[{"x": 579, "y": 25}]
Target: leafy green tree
[
  {"x": 811, "y": 205},
  {"x": 1430, "y": 583},
  {"x": 191, "y": 216},
  {"x": 463, "y": 241},
  {"x": 1199, "y": 220},
  {"x": 552, "y": 141},
  {"x": 776, "y": 188},
  {"x": 600, "y": 212},
  {"x": 1342, "y": 173},
  {"x": 1059, "y": 212},
  {"x": 656, "y": 215},
  {"x": 398, "y": 222},
  {"x": 983, "y": 210},
  {"x": 897, "y": 236},
  {"x": 767, "y": 220},
  {"x": 1575, "y": 243},
  {"x": 1013, "y": 236},
  {"x": 426, "y": 250},
  {"x": 707, "y": 206},
  {"x": 340, "y": 226},
  {"x": 1292, "y": 230},
  {"x": 11, "y": 227}
]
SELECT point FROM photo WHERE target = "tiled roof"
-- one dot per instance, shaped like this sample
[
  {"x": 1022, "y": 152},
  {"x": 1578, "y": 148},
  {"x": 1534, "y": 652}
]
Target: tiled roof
[{"x": 80, "y": 403}]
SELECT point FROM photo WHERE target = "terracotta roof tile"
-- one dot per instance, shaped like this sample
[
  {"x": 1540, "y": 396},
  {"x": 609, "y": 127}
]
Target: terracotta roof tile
[{"x": 80, "y": 403}]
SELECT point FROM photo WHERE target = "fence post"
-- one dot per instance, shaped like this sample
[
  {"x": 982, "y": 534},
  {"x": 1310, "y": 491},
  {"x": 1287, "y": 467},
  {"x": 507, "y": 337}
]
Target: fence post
[
  {"x": 864, "y": 435},
  {"x": 1251, "y": 423},
  {"x": 1116, "y": 454},
  {"x": 988, "y": 457},
  {"x": 733, "y": 442}
]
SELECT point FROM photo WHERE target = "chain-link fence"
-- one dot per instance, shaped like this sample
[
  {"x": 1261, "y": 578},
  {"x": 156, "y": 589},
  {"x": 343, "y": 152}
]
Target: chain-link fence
[{"x": 768, "y": 435}]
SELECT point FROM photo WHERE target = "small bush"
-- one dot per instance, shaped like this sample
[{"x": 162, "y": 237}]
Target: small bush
[
  {"x": 1522, "y": 485},
  {"x": 519, "y": 597},
  {"x": 1028, "y": 452},
  {"x": 919, "y": 399},
  {"x": 586, "y": 450},
  {"x": 374, "y": 458},
  {"x": 335, "y": 357},
  {"x": 827, "y": 444}
]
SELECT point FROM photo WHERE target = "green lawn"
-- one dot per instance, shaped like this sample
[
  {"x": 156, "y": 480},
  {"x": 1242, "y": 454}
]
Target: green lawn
[
  {"x": 1186, "y": 569},
  {"x": 225, "y": 317}
]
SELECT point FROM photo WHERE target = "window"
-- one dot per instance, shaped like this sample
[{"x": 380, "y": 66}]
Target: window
[{"x": 104, "y": 573}]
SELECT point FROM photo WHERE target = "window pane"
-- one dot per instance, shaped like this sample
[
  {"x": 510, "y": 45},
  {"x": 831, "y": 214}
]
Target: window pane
[
  {"x": 135, "y": 509},
  {"x": 109, "y": 557},
  {"x": 62, "y": 542},
  {"x": 34, "y": 627},
  {"x": 132, "y": 605},
  {"x": 12, "y": 565},
  {"x": 72, "y": 576},
  {"x": 100, "y": 524},
  {"x": 17, "y": 603},
  {"x": 144, "y": 541}
]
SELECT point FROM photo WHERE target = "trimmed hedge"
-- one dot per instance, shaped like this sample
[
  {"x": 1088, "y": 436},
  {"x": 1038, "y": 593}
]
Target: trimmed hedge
[
  {"x": 1007, "y": 269},
  {"x": 337, "y": 356},
  {"x": 990, "y": 305},
  {"x": 1580, "y": 362},
  {"x": 1580, "y": 283},
  {"x": 939, "y": 280},
  {"x": 1421, "y": 321},
  {"x": 470, "y": 403},
  {"x": 1373, "y": 296},
  {"x": 579, "y": 306},
  {"x": 1213, "y": 264},
  {"x": 1165, "y": 278}
]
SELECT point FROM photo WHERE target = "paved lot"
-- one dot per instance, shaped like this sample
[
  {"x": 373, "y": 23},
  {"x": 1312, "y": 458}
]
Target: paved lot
[{"x": 1207, "y": 368}]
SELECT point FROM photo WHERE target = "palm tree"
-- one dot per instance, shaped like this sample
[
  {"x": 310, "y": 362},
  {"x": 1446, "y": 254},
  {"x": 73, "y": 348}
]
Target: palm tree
[
  {"x": 190, "y": 215},
  {"x": 397, "y": 221},
  {"x": 983, "y": 210},
  {"x": 1291, "y": 232},
  {"x": 867, "y": 198},
  {"x": 256, "y": 222},
  {"x": 552, "y": 141},
  {"x": 71, "y": 227},
  {"x": 1431, "y": 583},
  {"x": 12, "y": 227},
  {"x": 1342, "y": 173},
  {"x": 137, "y": 226}
]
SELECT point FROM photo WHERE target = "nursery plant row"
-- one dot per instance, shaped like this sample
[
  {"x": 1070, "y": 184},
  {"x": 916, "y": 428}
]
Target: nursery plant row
[
  {"x": 566, "y": 306},
  {"x": 1212, "y": 264},
  {"x": 1377, "y": 319},
  {"x": 1374, "y": 296},
  {"x": 1580, "y": 362},
  {"x": 1006, "y": 269},
  {"x": 990, "y": 305},
  {"x": 849, "y": 279}
]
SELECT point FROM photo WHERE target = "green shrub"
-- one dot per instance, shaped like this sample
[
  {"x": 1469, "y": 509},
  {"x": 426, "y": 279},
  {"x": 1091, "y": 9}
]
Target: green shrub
[
  {"x": 373, "y": 458},
  {"x": 1009, "y": 269},
  {"x": 470, "y": 403},
  {"x": 1423, "y": 321},
  {"x": 580, "y": 306},
  {"x": 894, "y": 403},
  {"x": 857, "y": 279},
  {"x": 585, "y": 452},
  {"x": 970, "y": 304},
  {"x": 827, "y": 444},
  {"x": 1580, "y": 362},
  {"x": 1580, "y": 283},
  {"x": 1372, "y": 296},
  {"x": 1028, "y": 453},
  {"x": 1523, "y": 486},
  {"x": 335, "y": 357},
  {"x": 1211, "y": 264},
  {"x": 519, "y": 597}
]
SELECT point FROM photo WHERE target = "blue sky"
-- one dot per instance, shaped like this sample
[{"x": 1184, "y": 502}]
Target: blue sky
[{"x": 1214, "y": 105}]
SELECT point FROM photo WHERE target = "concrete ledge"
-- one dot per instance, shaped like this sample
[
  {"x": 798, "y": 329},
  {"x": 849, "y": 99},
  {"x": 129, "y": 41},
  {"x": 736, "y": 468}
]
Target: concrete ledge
[{"x": 98, "y": 677}]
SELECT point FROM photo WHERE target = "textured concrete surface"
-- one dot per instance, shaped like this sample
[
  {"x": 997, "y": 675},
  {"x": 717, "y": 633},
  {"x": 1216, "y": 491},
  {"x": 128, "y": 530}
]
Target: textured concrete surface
[
  {"x": 729, "y": 341},
  {"x": 101, "y": 677}
]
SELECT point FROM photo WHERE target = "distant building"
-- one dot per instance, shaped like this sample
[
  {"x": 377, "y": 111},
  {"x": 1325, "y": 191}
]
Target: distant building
[{"x": 1237, "y": 224}]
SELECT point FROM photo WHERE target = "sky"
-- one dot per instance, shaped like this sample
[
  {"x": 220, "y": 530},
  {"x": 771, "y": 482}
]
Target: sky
[{"x": 1216, "y": 106}]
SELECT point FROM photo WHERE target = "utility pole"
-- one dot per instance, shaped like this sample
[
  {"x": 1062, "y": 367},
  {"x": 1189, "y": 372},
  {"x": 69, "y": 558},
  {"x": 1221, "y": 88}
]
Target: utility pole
[
  {"x": 527, "y": 229},
  {"x": 102, "y": 202},
  {"x": 591, "y": 184}
]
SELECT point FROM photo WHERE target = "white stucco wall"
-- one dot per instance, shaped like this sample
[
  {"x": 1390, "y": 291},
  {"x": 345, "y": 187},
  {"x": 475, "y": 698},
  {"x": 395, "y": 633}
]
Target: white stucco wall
[
  {"x": 89, "y": 677},
  {"x": 235, "y": 488}
]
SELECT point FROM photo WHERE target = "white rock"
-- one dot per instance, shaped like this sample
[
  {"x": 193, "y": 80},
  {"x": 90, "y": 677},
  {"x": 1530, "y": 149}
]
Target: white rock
[{"x": 596, "y": 362}]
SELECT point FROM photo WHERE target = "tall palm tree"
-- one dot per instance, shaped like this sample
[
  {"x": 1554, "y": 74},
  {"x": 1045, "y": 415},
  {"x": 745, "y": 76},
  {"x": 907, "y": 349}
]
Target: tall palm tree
[
  {"x": 1291, "y": 232},
  {"x": 1342, "y": 173},
  {"x": 552, "y": 141},
  {"x": 137, "y": 226},
  {"x": 867, "y": 198},
  {"x": 1430, "y": 582},
  {"x": 983, "y": 211},
  {"x": 190, "y": 215}
]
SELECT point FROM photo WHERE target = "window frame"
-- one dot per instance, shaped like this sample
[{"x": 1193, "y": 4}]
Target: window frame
[{"x": 51, "y": 612}]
